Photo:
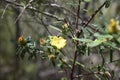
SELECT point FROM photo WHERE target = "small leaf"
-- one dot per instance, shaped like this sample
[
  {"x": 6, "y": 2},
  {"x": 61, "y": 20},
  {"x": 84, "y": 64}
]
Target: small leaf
[
  {"x": 86, "y": 0},
  {"x": 108, "y": 2},
  {"x": 55, "y": 28},
  {"x": 100, "y": 28},
  {"x": 97, "y": 77},
  {"x": 23, "y": 53},
  {"x": 81, "y": 49},
  {"x": 28, "y": 39},
  {"x": 31, "y": 45},
  {"x": 82, "y": 40},
  {"x": 111, "y": 44},
  {"x": 50, "y": 47},
  {"x": 99, "y": 36},
  {"x": 73, "y": 4},
  {"x": 86, "y": 32},
  {"x": 78, "y": 63},
  {"x": 118, "y": 40},
  {"x": 30, "y": 56},
  {"x": 63, "y": 78},
  {"x": 95, "y": 43}
]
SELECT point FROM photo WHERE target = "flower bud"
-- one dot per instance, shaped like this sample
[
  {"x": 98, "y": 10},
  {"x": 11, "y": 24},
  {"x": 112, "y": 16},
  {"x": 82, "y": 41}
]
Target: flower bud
[{"x": 21, "y": 40}]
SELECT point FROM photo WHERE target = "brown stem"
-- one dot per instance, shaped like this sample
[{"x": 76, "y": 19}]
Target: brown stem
[
  {"x": 93, "y": 15},
  {"x": 77, "y": 35},
  {"x": 73, "y": 66},
  {"x": 77, "y": 17}
]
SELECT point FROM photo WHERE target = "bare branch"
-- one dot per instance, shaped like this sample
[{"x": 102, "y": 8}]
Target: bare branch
[
  {"x": 21, "y": 13},
  {"x": 77, "y": 35},
  {"x": 4, "y": 11},
  {"x": 93, "y": 15},
  {"x": 58, "y": 6},
  {"x": 34, "y": 9}
]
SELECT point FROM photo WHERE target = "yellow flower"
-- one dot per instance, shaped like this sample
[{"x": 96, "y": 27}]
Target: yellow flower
[
  {"x": 112, "y": 27},
  {"x": 112, "y": 23},
  {"x": 21, "y": 40},
  {"x": 58, "y": 42}
]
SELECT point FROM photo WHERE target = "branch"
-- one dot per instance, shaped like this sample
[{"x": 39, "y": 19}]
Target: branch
[
  {"x": 34, "y": 9},
  {"x": 4, "y": 11},
  {"x": 21, "y": 12},
  {"x": 45, "y": 25},
  {"x": 58, "y": 6},
  {"x": 92, "y": 73},
  {"x": 77, "y": 35},
  {"x": 93, "y": 15},
  {"x": 86, "y": 74}
]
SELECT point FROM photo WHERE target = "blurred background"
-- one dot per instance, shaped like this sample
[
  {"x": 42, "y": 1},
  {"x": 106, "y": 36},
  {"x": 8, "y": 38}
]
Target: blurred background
[{"x": 19, "y": 19}]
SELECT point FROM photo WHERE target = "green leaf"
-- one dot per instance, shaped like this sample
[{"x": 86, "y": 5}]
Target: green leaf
[
  {"x": 86, "y": 0},
  {"x": 23, "y": 53},
  {"x": 31, "y": 55},
  {"x": 31, "y": 45},
  {"x": 73, "y": 4},
  {"x": 98, "y": 27},
  {"x": 99, "y": 36},
  {"x": 97, "y": 77},
  {"x": 82, "y": 40},
  {"x": 28, "y": 39},
  {"x": 108, "y": 2},
  {"x": 111, "y": 44},
  {"x": 78, "y": 63},
  {"x": 81, "y": 49},
  {"x": 50, "y": 47},
  {"x": 86, "y": 32},
  {"x": 118, "y": 40},
  {"x": 94, "y": 43},
  {"x": 63, "y": 78},
  {"x": 55, "y": 28}
]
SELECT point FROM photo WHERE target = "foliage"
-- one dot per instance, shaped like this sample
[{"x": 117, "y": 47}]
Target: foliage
[{"x": 87, "y": 36}]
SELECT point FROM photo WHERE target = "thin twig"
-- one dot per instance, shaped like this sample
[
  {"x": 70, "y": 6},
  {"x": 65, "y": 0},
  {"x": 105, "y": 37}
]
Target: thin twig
[
  {"x": 77, "y": 35},
  {"x": 21, "y": 13},
  {"x": 58, "y": 6},
  {"x": 25, "y": 7},
  {"x": 46, "y": 27},
  {"x": 93, "y": 15},
  {"x": 34, "y": 9},
  {"x": 4, "y": 11},
  {"x": 14, "y": 3},
  {"x": 86, "y": 74}
]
